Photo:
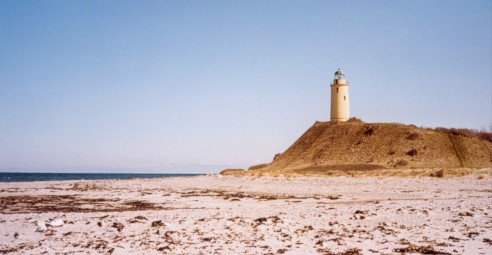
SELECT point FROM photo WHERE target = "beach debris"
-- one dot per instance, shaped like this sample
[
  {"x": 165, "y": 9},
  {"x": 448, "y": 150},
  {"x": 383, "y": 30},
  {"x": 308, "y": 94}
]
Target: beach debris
[
  {"x": 138, "y": 219},
  {"x": 98, "y": 244},
  {"x": 281, "y": 251},
  {"x": 168, "y": 238},
  {"x": 56, "y": 223},
  {"x": 419, "y": 249},
  {"x": 304, "y": 230},
  {"x": 85, "y": 186},
  {"x": 275, "y": 219},
  {"x": 41, "y": 226},
  {"x": 334, "y": 197},
  {"x": 360, "y": 215},
  {"x": 383, "y": 227},
  {"x": 50, "y": 232},
  {"x": 472, "y": 234},
  {"x": 164, "y": 248},
  {"x": 158, "y": 223},
  {"x": 353, "y": 251},
  {"x": 323, "y": 244},
  {"x": 486, "y": 240},
  {"x": 454, "y": 239},
  {"x": 118, "y": 226},
  {"x": 207, "y": 239},
  {"x": 259, "y": 221},
  {"x": 68, "y": 233},
  {"x": 465, "y": 214}
]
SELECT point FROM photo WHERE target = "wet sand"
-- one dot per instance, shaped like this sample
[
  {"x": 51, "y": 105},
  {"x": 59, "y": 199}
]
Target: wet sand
[{"x": 246, "y": 215}]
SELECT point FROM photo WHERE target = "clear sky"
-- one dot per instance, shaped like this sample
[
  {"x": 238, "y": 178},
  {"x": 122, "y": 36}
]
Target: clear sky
[{"x": 197, "y": 86}]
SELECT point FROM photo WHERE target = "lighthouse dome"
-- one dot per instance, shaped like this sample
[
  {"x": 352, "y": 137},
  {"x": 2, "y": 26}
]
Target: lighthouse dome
[{"x": 339, "y": 74}]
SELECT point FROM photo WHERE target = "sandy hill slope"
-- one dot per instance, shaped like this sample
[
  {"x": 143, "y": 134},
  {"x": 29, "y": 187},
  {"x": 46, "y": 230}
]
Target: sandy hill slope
[{"x": 367, "y": 146}]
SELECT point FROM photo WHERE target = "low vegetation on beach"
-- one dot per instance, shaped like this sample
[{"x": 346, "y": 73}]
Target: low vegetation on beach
[{"x": 480, "y": 173}]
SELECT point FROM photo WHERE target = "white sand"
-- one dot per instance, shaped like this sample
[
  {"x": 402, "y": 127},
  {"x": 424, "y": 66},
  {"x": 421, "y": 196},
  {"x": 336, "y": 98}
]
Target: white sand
[{"x": 244, "y": 215}]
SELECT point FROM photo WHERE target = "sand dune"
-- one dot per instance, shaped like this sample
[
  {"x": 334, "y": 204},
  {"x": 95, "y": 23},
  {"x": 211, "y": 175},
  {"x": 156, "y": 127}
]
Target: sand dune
[{"x": 328, "y": 147}]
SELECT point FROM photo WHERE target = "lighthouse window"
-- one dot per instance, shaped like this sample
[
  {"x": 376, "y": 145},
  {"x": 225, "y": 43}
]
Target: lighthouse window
[
  {"x": 337, "y": 90},
  {"x": 344, "y": 97}
]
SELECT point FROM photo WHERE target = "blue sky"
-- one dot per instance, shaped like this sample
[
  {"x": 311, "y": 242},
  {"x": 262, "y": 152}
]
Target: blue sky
[{"x": 197, "y": 86}]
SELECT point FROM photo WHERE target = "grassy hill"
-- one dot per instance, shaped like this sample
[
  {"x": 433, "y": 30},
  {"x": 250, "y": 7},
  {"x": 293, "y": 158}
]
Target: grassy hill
[{"x": 356, "y": 146}]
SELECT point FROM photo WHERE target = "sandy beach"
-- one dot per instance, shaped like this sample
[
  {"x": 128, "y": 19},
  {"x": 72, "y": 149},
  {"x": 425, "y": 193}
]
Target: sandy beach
[{"x": 216, "y": 214}]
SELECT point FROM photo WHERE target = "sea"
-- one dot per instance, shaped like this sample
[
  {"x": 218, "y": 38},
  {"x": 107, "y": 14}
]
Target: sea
[{"x": 29, "y": 177}]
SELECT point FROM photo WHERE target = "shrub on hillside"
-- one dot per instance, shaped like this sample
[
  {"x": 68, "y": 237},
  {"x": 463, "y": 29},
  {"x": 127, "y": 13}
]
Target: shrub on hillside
[
  {"x": 412, "y": 152},
  {"x": 481, "y": 135},
  {"x": 400, "y": 162},
  {"x": 369, "y": 131},
  {"x": 485, "y": 136},
  {"x": 277, "y": 156},
  {"x": 412, "y": 136},
  {"x": 232, "y": 172},
  {"x": 354, "y": 119},
  {"x": 256, "y": 167}
]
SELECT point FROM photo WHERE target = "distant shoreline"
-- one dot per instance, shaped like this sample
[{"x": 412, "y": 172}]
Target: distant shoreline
[{"x": 30, "y": 177}]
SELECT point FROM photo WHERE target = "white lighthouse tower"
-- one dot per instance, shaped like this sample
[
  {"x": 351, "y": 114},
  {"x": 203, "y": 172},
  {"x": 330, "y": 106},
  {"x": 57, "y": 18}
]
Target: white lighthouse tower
[{"x": 340, "y": 108}]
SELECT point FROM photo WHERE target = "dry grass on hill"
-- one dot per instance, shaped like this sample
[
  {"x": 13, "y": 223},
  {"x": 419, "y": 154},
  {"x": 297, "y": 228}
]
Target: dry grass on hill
[
  {"x": 386, "y": 172},
  {"x": 357, "y": 148},
  {"x": 470, "y": 133},
  {"x": 232, "y": 171}
]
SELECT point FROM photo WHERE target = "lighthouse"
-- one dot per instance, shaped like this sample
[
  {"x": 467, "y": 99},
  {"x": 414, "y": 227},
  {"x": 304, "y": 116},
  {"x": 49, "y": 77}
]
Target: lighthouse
[{"x": 340, "y": 108}]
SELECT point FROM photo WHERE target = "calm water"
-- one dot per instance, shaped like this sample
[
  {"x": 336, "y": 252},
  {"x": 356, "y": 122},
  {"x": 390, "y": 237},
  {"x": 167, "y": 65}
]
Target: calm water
[{"x": 26, "y": 177}]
